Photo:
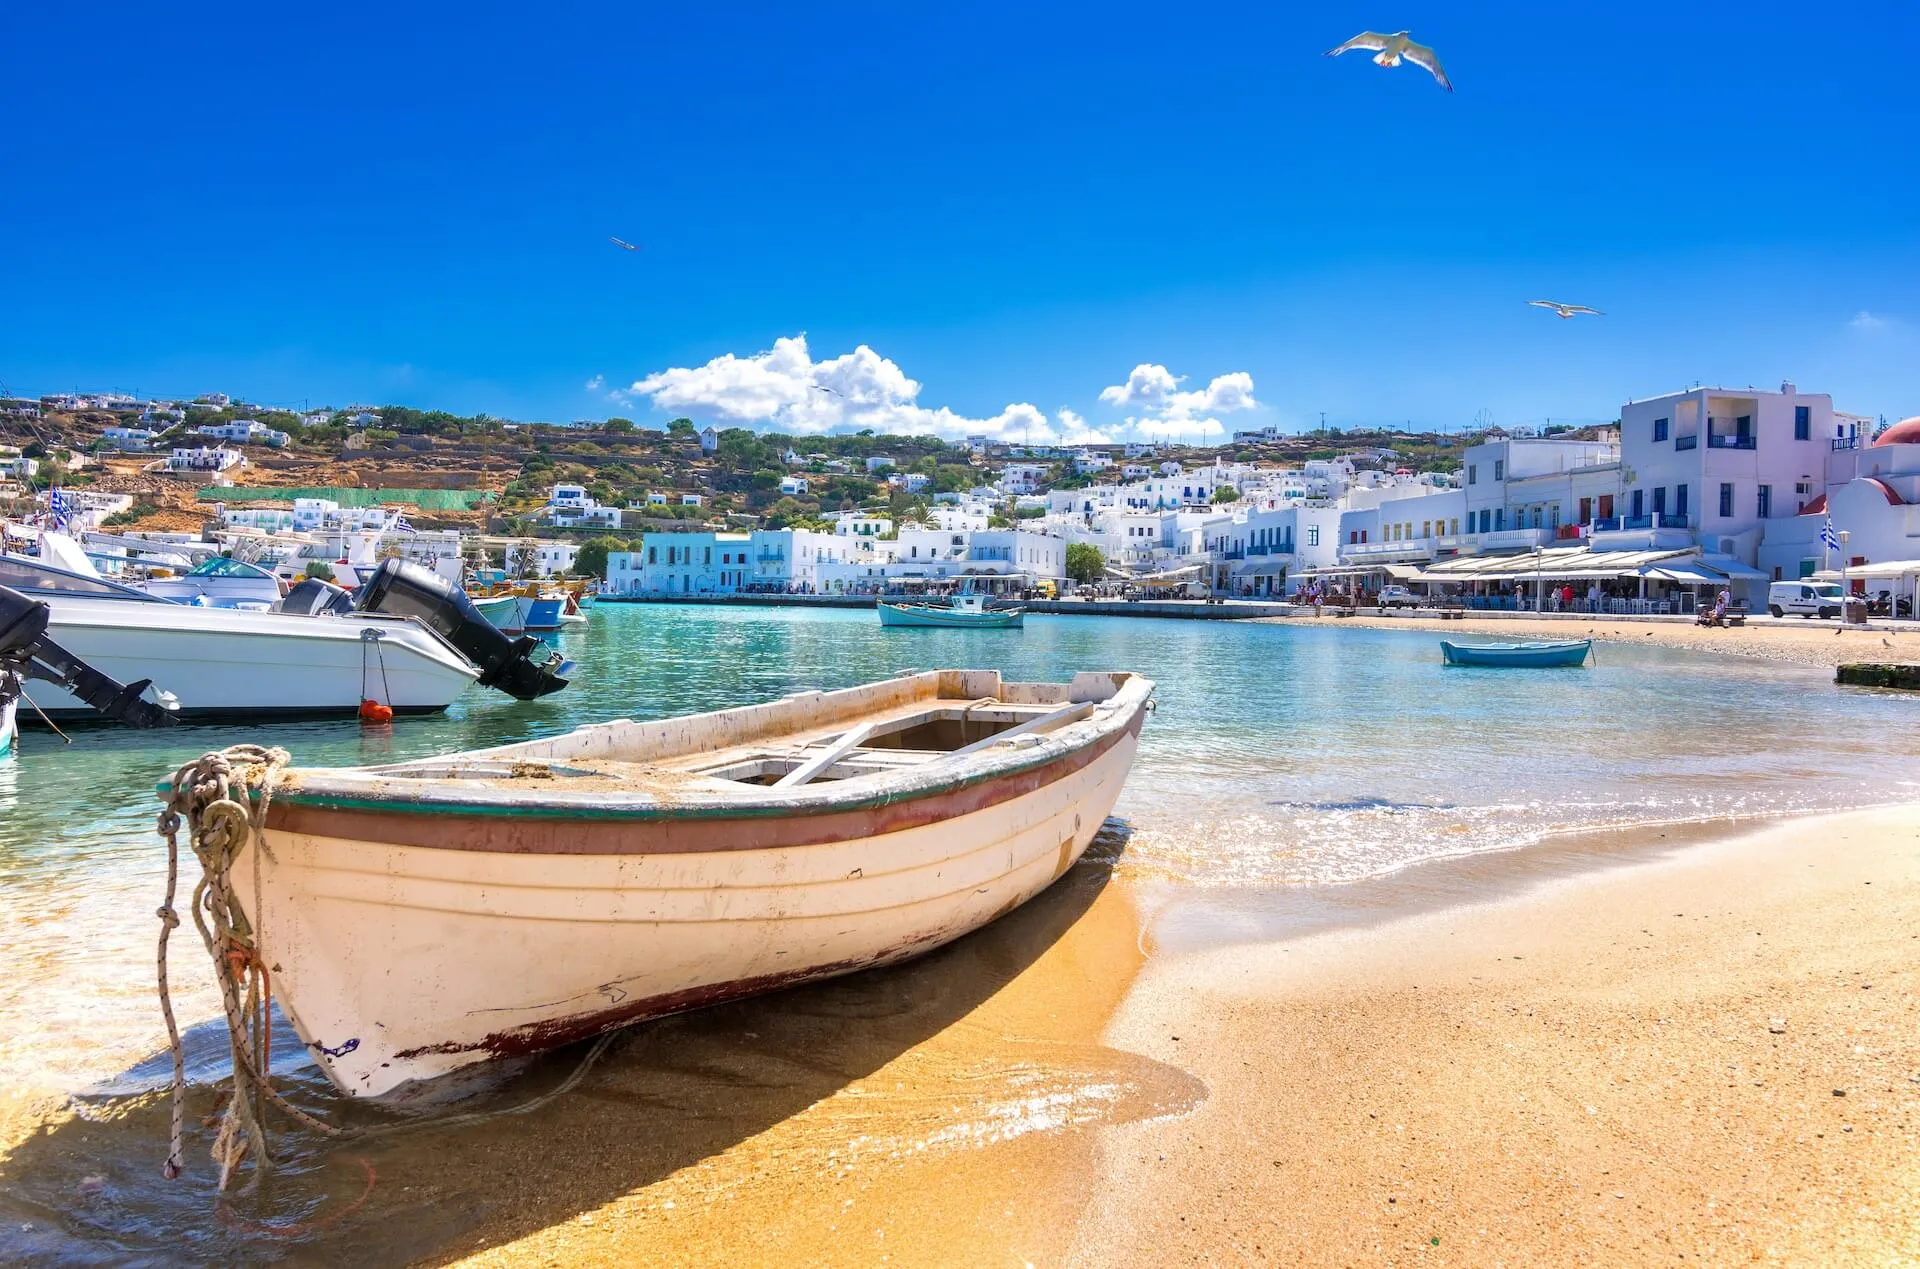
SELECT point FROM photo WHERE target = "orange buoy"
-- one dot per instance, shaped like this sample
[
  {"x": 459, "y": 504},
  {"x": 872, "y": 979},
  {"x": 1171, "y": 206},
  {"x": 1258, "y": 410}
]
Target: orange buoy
[{"x": 372, "y": 711}]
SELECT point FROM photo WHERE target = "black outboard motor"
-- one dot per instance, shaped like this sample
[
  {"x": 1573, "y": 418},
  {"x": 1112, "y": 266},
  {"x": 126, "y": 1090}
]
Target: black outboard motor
[
  {"x": 314, "y": 598},
  {"x": 407, "y": 590},
  {"x": 27, "y": 653}
]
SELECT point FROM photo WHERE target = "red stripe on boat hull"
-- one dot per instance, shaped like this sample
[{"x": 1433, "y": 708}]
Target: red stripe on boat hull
[{"x": 529, "y": 835}]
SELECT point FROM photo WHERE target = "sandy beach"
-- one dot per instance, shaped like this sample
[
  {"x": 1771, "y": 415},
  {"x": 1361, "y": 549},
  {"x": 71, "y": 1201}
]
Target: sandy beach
[
  {"x": 1713, "y": 1058},
  {"x": 1695, "y": 1053},
  {"x": 1787, "y": 639}
]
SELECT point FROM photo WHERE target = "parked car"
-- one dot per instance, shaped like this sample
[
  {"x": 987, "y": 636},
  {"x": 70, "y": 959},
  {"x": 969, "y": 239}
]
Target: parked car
[
  {"x": 1809, "y": 599},
  {"x": 1398, "y": 597}
]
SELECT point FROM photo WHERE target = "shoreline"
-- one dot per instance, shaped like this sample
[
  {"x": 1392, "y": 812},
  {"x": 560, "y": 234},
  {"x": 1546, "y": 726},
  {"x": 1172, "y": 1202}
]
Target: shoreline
[
  {"x": 1239, "y": 1002},
  {"x": 1491, "y": 1072},
  {"x": 1768, "y": 639},
  {"x": 1015, "y": 1097}
]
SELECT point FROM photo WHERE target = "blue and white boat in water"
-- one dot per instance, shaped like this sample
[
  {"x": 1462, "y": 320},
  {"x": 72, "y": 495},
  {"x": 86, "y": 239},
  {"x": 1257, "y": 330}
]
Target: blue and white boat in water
[
  {"x": 969, "y": 612},
  {"x": 1564, "y": 652}
]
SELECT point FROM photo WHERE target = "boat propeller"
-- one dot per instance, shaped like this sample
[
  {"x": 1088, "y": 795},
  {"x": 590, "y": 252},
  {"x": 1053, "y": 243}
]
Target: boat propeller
[{"x": 27, "y": 653}]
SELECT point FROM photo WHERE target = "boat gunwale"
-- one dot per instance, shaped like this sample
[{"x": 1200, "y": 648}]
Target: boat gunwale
[{"x": 716, "y": 802}]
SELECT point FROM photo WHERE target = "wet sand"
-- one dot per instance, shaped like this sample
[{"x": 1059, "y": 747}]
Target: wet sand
[
  {"x": 974, "y": 1145},
  {"x": 1710, "y": 1057},
  {"x": 1788, "y": 639}
]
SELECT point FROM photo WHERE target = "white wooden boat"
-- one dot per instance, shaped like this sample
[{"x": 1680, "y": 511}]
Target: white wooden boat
[
  {"x": 430, "y": 915},
  {"x": 965, "y": 612}
]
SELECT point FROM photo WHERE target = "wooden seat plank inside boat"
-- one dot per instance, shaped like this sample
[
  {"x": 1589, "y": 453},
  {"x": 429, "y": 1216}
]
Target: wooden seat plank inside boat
[{"x": 903, "y": 737}]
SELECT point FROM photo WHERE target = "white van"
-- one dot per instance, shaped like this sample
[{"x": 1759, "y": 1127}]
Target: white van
[{"x": 1809, "y": 599}]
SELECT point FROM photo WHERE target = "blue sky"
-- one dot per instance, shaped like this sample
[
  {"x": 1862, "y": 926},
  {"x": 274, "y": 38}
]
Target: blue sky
[{"x": 412, "y": 203}]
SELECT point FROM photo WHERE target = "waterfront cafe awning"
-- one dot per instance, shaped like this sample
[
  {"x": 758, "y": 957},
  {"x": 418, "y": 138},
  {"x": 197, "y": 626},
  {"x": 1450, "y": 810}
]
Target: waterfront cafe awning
[
  {"x": 1700, "y": 572},
  {"x": 1172, "y": 577},
  {"x": 1264, "y": 568},
  {"x": 1884, "y": 570},
  {"x": 1564, "y": 565},
  {"x": 1360, "y": 570}
]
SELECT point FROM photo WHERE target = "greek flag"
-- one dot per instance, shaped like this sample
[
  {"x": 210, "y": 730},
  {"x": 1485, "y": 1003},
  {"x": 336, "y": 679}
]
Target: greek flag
[
  {"x": 1828, "y": 538},
  {"x": 59, "y": 509}
]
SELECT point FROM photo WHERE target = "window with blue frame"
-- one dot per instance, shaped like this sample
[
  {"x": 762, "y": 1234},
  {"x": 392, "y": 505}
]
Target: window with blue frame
[
  {"x": 1764, "y": 501},
  {"x": 1680, "y": 500},
  {"x": 1726, "y": 498},
  {"x": 1802, "y": 422},
  {"x": 1660, "y": 500},
  {"x": 1659, "y": 430}
]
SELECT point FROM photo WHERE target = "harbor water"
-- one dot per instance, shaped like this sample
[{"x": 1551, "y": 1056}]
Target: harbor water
[{"x": 1282, "y": 758}]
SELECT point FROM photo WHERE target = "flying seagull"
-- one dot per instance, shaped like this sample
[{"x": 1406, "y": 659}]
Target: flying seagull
[
  {"x": 1390, "y": 49},
  {"x": 621, "y": 243},
  {"x": 1566, "y": 310},
  {"x": 821, "y": 387}
]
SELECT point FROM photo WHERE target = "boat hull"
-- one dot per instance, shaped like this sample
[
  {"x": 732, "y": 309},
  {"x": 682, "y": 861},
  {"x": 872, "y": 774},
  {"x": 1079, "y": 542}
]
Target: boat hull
[
  {"x": 921, "y": 615},
  {"x": 9, "y": 730},
  {"x": 408, "y": 946},
  {"x": 502, "y": 610},
  {"x": 1570, "y": 653},
  {"x": 224, "y": 663},
  {"x": 539, "y": 616}
]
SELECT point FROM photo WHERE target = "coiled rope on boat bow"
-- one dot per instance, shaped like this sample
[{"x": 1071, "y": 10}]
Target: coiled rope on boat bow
[{"x": 222, "y": 800}]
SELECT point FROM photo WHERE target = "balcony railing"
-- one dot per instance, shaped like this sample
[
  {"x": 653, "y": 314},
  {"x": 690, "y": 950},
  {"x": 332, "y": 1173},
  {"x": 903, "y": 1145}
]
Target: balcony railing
[
  {"x": 1636, "y": 522},
  {"x": 1846, "y": 442},
  {"x": 1567, "y": 533},
  {"x": 1687, "y": 442},
  {"x": 1503, "y": 539},
  {"x": 1233, "y": 555},
  {"x": 1717, "y": 440},
  {"x": 1259, "y": 550},
  {"x": 1606, "y": 524},
  {"x": 1670, "y": 521}
]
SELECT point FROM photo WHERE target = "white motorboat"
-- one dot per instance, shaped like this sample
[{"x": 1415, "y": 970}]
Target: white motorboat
[
  {"x": 430, "y": 915},
  {"x": 323, "y": 660},
  {"x": 220, "y": 582}
]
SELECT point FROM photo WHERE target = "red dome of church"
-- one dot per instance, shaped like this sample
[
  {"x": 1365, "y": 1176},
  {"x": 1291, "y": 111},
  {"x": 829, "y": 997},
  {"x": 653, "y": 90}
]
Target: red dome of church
[{"x": 1905, "y": 432}]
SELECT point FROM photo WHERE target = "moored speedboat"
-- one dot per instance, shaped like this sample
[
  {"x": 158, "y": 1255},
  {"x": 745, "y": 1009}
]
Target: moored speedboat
[
  {"x": 1555, "y": 653},
  {"x": 430, "y": 915},
  {"x": 966, "y": 612},
  {"x": 241, "y": 663}
]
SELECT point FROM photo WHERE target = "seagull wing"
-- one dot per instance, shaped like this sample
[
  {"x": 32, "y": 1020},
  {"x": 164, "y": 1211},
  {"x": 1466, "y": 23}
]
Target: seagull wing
[
  {"x": 620, "y": 243},
  {"x": 1545, "y": 304},
  {"x": 1371, "y": 41},
  {"x": 1582, "y": 308},
  {"x": 1422, "y": 56}
]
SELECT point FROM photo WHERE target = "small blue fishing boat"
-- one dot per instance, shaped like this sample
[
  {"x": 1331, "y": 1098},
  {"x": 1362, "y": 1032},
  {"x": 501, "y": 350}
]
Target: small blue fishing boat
[
  {"x": 502, "y": 610},
  {"x": 1559, "y": 652},
  {"x": 968, "y": 612}
]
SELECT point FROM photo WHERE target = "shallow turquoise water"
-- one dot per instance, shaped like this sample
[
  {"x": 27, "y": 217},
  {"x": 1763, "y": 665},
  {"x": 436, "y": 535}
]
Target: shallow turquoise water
[{"x": 1280, "y": 755}]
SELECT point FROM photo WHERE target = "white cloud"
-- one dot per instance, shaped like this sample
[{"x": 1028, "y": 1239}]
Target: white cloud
[
  {"x": 596, "y": 383},
  {"x": 1147, "y": 385},
  {"x": 786, "y": 390},
  {"x": 1169, "y": 412},
  {"x": 1864, "y": 320},
  {"x": 1074, "y": 430}
]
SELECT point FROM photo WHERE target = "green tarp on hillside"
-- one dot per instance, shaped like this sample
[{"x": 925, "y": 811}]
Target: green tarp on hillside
[{"x": 425, "y": 499}]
